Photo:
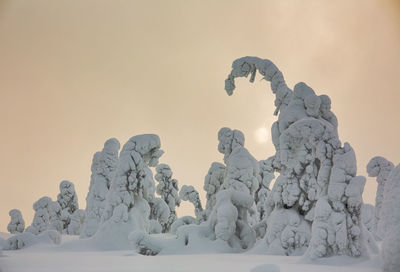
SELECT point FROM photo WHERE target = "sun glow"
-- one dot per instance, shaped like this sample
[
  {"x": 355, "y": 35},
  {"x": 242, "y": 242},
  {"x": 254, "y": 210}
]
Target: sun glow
[{"x": 262, "y": 135}]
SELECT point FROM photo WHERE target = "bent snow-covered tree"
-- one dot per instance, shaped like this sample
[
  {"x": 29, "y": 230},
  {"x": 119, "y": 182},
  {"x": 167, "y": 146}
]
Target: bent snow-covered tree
[
  {"x": 17, "y": 223},
  {"x": 317, "y": 184},
  {"x": 212, "y": 184},
  {"x": 167, "y": 188},
  {"x": 127, "y": 202},
  {"x": 189, "y": 193},
  {"x": 391, "y": 220},
  {"x": 104, "y": 165},
  {"x": 380, "y": 168}
]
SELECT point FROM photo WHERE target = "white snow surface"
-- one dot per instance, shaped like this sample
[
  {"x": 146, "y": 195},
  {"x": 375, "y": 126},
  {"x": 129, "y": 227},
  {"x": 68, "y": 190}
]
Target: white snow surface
[{"x": 49, "y": 258}]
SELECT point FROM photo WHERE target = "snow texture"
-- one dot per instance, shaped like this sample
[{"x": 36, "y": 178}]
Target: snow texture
[
  {"x": 17, "y": 223},
  {"x": 391, "y": 220},
  {"x": 380, "y": 168},
  {"x": 127, "y": 202},
  {"x": 168, "y": 189},
  {"x": 104, "y": 165},
  {"x": 189, "y": 193},
  {"x": 317, "y": 183}
]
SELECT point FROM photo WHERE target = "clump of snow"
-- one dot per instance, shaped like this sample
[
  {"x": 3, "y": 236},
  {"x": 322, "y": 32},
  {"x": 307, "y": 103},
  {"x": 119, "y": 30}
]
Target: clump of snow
[
  {"x": 104, "y": 165},
  {"x": 189, "y": 193},
  {"x": 391, "y": 220},
  {"x": 184, "y": 220},
  {"x": 167, "y": 188},
  {"x": 27, "y": 239},
  {"x": 380, "y": 168},
  {"x": 127, "y": 202},
  {"x": 317, "y": 184},
  {"x": 76, "y": 222},
  {"x": 17, "y": 223}
]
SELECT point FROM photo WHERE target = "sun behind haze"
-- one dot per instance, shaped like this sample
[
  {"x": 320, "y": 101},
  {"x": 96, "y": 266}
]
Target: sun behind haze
[{"x": 75, "y": 73}]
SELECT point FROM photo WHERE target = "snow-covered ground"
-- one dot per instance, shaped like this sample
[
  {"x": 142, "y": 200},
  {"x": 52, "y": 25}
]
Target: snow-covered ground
[{"x": 45, "y": 258}]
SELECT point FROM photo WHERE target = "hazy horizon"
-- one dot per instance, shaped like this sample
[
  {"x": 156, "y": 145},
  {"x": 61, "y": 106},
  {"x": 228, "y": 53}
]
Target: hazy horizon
[{"x": 74, "y": 74}]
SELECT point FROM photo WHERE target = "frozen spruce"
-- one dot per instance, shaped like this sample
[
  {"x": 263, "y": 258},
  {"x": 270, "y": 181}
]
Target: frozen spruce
[
  {"x": 380, "y": 168},
  {"x": 159, "y": 215},
  {"x": 189, "y": 193},
  {"x": 317, "y": 184},
  {"x": 227, "y": 227},
  {"x": 17, "y": 223},
  {"x": 391, "y": 220},
  {"x": 167, "y": 188},
  {"x": 104, "y": 165},
  {"x": 127, "y": 202},
  {"x": 212, "y": 184},
  {"x": 68, "y": 201},
  {"x": 368, "y": 217},
  {"x": 41, "y": 219}
]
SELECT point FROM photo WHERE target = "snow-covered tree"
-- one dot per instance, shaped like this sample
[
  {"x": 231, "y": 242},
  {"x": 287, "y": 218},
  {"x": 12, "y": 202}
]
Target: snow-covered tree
[
  {"x": 227, "y": 228},
  {"x": 167, "y": 188},
  {"x": 380, "y": 168},
  {"x": 159, "y": 213},
  {"x": 317, "y": 183},
  {"x": 76, "y": 222},
  {"x": 41, "y": 219},
  {"x": 127, "y": 202},
  {"x": 212, "y": 183},
  {"x": 189, "y": 193},
  {"x": 47, "y": 216},
  {"x": 391, "y": 220},
  {"x": 104, "y": 165},
  {"x": 68, "y": 201},
  {"x": 368, "y": 217},
  {"x": 17, "y": 223}
]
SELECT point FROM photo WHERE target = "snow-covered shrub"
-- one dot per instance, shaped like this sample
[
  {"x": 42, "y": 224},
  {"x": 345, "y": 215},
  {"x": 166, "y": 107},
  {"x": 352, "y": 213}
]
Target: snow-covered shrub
[
  {"x": 127, "y": 206},
  {"x": 391, "y": 220},
  {"x": 212, "y": 184},
  {"x": 26, "y": 239},
  {"x": 160, "y": 212},
  {"x": 17, "y": 223},
  {"x": 167, "y": 188},
  {"x": 380, "y": 168},
  {"x": 55, "y": 222},
  {"x": 189, "y": 193},
  {"x": 103, "y": 168},
  {"x": 317, "y": 178},
  {"x": 182, "y": 221}
]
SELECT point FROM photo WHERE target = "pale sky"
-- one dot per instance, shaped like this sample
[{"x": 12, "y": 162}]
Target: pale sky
[{"x": 75, "y": 73}]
